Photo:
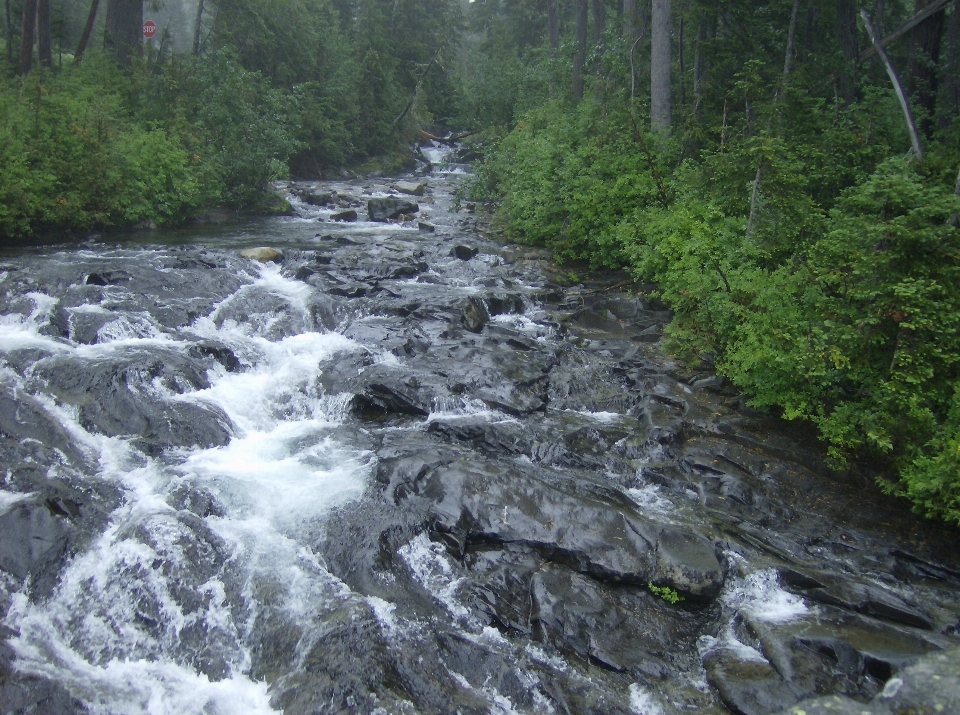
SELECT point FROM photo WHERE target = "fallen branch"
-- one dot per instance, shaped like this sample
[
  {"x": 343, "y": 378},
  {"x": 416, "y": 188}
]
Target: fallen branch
[
  {"x": 930, "y": 10},
  {"x": 904, "y": 104},
  {"x": 449, "y": 141}
]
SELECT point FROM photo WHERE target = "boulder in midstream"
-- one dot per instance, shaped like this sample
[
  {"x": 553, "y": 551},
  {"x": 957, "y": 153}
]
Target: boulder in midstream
[
  {"x": 264, "y": 254},
  {"x": 390, "y": 207}
]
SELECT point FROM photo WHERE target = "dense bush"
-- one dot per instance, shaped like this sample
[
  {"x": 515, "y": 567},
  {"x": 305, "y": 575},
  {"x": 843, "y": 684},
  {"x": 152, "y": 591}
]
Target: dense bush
[{"x": 840, "y": 305}]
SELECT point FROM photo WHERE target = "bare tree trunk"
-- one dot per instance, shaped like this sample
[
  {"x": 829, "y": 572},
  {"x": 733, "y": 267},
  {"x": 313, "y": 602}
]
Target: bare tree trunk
[
  {"x": 628, "y": 17},
  {"x": 925, "y": 56},
  {"x": 198, "y": 28},
  {"x": 954, "y": 218},
  {"x": 124, "y": 29},
  {"x": 681, "y": 69},
  {"x": 26, "y": 35},
  {"x": 44, "y": 37},
  {"x": 599, "y": 20},
  {"x": 87, "y": 30},
  {"x": 580, "y": 57},
  {"x": 950, "y": 89},
  {"x": 553, "y": 27},
  {"x": 904, "y": 104},
  {"x": 791, "y": 33},
  {"x": 698, "y": 67},
  {"x": 847, "y": 34},
  {"x": 9, "y": 35},
  {"x": 754, "y": 195},
  {"x": 660, "y": 66}
]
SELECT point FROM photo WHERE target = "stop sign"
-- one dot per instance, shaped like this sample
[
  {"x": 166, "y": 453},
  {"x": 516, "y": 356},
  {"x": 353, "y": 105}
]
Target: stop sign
[{"x": 149, "y": 29}]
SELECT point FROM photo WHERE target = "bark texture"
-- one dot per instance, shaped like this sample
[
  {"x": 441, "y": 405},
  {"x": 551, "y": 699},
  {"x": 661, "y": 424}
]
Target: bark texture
[
  {"x": 44, "y": 35},
  {"x": 629, "y": 24},
  {"x": 581, "y": 54},
  {"x": 124, "y": 29},
  {"x": 87, "y": 30},
  {"x": 553, "y": 27},
  {"x": 27, "y": 32},
  {"x": 660, "y": 107},
  {"x": 847, "y": 34},
  {"x": 925, "y": 57},
  {"x": 950, "y": 88}
]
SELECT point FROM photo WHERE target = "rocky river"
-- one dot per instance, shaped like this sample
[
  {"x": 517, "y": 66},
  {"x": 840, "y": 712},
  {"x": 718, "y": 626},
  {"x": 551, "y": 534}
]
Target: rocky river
[{"x": 400, "y": 467}]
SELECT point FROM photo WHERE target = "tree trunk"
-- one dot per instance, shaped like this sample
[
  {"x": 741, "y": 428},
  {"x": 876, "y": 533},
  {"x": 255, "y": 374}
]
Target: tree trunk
[
  {"x": 124, "y": 29},
  {"x": 950, "y": 89},
  {"x": 847, "y": 34},
  {"x": 925, "y": 56},
  {"x": 791, "y": 33},
  {"x": 26, "y": 35},
  {"x": 9, "y": 35},
  {"x": 629, "y": 31},
  {"x": 660, "y": 66},
  {"x": 698, "y": 68},
  {"x": 198, "y": 29},
  {"x": 44, "y": 36},
  {"x": 553, "y": 27},
  {"x": 581, "y": 54},
  {"x": 87, "y": 29},
  {"x": 897, "y": 87},
  {"x": 599, "y": 21}
]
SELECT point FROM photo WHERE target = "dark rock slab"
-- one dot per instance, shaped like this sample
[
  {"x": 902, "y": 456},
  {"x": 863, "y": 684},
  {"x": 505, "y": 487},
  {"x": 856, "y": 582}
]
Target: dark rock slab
[
  {"x": 348, "y": 215},
  {"x": 688, "y": 563},
  {"x": 390, "y": 207},
  {"x": 464, "y": 253},
  {"x": 473, "y": 314},
  {"x": 748, "y": 686}
]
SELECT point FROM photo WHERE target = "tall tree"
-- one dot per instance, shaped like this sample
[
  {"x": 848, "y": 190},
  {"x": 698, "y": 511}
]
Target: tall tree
[
  {"x": 44, "y": 35},
  {"x": 27, "y": 29},
  {"x": 580, "y": 33},
  {"x": 124, "y": 29},
  {"x": 9, "y": 34},
  {"x": 198, "y": 29},
  {"x": 660, "y": 109},
  {"x": 629, "y": 11},
  {"x": 553, "y": 26},
  {"x": 87, "y": 30},
  {"x": 924, "y": 61},
  {"x": 847, "y": 36},
  {"x": 950, "y": 89}
]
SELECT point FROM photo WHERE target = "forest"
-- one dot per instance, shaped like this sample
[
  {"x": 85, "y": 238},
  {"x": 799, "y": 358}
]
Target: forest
[{"x": 783, "y": 174}]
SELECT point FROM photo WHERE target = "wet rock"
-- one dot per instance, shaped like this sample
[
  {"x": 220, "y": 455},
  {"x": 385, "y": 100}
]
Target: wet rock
[
  {"x": 747, "y": 685},
  {"x": 33, "y": 536},
  {"x": 381, "y": 390},
  {"x": 390, "y": 207},
  {"x": 316, "y": 198},
  {"x": 116, "y": 396},
  {"x": 688, "y": 563},
  {"x": 348, "y": 216},
  {"x": 833, "y": 705},
  {"x": 410, "y": 188},
  {"x": 464, "y": 253},
  {"x": 426, "y": 227},
  {"x": 503, "y": 505},
  {"x": 859, "y": 596},
  {"x": 473, "y": 314},
  {"x": 263, "y": 254}
]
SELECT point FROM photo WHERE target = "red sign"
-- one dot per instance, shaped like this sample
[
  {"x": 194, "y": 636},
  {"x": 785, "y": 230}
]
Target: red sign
[{"x": 149, "y": 29}]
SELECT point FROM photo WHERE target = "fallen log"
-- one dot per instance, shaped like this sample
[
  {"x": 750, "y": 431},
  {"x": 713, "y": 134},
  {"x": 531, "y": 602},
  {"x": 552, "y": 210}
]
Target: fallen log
[{"x": 453, "y": 139}]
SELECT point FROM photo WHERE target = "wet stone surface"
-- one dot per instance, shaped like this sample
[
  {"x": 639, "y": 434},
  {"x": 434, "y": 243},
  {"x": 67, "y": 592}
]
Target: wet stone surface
[{"x": 389, "y": 470}]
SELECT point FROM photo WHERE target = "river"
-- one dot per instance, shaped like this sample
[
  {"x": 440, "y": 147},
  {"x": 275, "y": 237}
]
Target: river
[{"x": 403, "y": 470}]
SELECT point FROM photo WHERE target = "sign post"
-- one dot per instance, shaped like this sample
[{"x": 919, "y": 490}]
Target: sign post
[{"x": 149, "y": 29}]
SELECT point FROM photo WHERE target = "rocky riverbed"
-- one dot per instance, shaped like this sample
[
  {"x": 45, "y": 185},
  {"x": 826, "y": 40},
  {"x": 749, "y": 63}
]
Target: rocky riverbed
[{"x": 399, "y": 467}]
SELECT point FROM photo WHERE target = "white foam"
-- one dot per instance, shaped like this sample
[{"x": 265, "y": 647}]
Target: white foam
[
  {"x": 759, "y": 595},
  {"x": 19, "y": 331},
  {"x": 642, "y": 702},
  {"x": 430, "y": 565},
  {"x": 649, "y": 499},
  {"x": 10, "y": 499}
]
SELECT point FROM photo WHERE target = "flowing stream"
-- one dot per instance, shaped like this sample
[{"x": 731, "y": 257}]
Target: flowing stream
[{"x": 403, "y": 470}]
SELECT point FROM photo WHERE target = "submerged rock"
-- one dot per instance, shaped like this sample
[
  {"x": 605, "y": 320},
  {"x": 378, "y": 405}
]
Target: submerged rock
[
  {"x": 410, "y": 188},
  {"x": 263, "y": 254},
  {"x": 390, "y": 207}
]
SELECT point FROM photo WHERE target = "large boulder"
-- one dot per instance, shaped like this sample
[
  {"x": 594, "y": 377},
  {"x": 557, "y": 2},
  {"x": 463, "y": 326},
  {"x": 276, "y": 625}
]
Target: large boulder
[
  {"x": 263, "y": 254},
  {"x": 411, "y": 188},
  {"x": 390, "y": 207}
]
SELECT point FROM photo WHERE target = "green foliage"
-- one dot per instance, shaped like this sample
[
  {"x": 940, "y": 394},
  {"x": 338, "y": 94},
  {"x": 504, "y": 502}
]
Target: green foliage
[{"x": 665, "y": 593}]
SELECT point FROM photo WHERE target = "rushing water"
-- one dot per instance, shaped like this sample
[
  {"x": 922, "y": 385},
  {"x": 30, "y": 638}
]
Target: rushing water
[{"x": 212, "y": 507}]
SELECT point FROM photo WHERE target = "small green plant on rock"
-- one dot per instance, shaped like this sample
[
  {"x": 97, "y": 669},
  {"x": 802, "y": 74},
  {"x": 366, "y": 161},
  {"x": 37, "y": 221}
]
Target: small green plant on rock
[{"x": 665, "y": 593}]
